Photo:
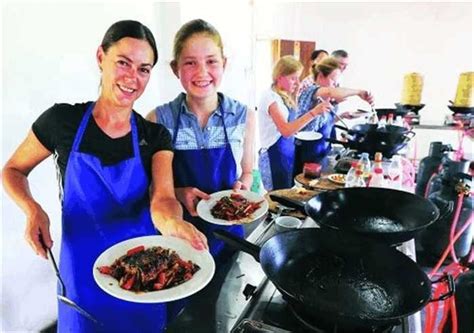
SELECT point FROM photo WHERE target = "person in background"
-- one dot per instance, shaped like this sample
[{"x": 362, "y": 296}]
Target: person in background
[
  {"x": 114, "y": 169},
  {"x": 316, "y": 57},
  {"x": 278, "y": 124},
  {"x": 212, "y": 134},
  {"x": 324, "y": 90},
  {"x": 342, "y": 58}
]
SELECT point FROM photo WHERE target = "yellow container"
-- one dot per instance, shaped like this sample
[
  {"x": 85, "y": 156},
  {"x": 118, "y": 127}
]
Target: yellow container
[
  {"x": 412, "y": 89},
  {"x": 465, "y": 90}
]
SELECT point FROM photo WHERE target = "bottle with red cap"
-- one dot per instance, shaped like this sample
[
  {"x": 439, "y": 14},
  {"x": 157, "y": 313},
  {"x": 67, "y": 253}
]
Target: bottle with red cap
[{"x": 351, "y": 174}]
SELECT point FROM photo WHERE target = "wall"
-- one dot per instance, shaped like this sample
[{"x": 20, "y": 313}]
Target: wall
[{"x": 385, "y": 41}]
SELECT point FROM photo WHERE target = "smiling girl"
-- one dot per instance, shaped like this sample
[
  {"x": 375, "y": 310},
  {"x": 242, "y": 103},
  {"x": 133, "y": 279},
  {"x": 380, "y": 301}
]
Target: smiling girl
[{"x": 212, "y": 134}]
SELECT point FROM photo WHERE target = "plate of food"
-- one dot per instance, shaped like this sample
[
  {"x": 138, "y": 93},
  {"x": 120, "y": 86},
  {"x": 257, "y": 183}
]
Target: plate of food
[
  {"x": 308, "y": 136},
  {"x": 232, "y": 207},
  {"x": 337, "y": 178},
  {"x": 153, "y": 269}
]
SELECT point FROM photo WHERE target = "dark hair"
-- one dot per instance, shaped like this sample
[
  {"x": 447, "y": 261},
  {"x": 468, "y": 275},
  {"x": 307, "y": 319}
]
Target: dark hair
[
  {"x": 132, "y": 29},
  {"x": 316, "y": 53},
  {"x": 339, "y": 54},
  {"x": 193, "y": 27}
]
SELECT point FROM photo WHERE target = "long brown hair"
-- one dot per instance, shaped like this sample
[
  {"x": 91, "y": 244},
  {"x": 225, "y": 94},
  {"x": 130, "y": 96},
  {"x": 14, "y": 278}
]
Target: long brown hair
[{"x": 286, "y": 65}]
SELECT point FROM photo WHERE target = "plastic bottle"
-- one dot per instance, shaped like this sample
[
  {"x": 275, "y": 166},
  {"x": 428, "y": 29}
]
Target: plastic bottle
[
  {"x": 398, "y": 121},
  {"x": 377, "y": 161},
  {"x": 359, "y": 178},
  {"x": 350, "y": 176},
  {"x": 382, "y": 122},
  {"x": 390, "y": 119},
  {"x": 395, "y": 173},
  {"x": 377, "y": 179},
  {"x": 365, "y": 164}
]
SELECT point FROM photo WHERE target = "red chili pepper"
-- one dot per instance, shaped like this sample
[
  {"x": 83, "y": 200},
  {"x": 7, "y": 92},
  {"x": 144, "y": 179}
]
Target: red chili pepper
[
  {"x": 105, "y": 270},
  {"x": 129, "y": 283},
  {"x": 162, "y": 278},
  {"x": 158, "y": 286},
  {"x": 135, "y": 250}
]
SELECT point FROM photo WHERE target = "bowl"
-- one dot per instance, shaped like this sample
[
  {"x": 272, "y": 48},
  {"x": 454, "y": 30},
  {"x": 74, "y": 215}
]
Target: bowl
[{"x": 285, "y": 223}]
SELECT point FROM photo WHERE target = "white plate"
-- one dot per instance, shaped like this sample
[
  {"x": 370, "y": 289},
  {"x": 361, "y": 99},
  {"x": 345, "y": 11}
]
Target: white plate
[
  {"x": 308, "y": 136},
  {"x": 204, "y": 207},
  {"x": 200, "y": 279},
  {"x": 338, "y": 178}
]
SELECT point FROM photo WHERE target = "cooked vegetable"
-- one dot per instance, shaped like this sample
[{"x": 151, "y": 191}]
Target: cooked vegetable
[
  {"x": 234, "y": 207},
  {"x": 150, "y": 269}
]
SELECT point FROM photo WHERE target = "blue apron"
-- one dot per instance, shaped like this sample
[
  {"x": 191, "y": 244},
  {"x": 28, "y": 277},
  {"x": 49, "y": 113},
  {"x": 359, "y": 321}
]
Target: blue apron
[
  {"x": 103, "y": 205},
  {"x": 210, "y": 170},
  {"x": 282, "y": 157},
  {"x": 315, "y": 151}
]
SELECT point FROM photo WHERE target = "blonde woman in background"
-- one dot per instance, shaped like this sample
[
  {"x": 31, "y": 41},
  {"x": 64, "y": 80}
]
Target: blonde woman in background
[{"x": 278, "y": 124}]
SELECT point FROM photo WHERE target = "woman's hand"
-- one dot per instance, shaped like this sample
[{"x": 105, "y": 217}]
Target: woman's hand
[
  {"x": 367, "y": 96},
  {"x": 37, "y": 231},
  {"x": 185, "y": 230},
  {"x": 189, "y": 197}
]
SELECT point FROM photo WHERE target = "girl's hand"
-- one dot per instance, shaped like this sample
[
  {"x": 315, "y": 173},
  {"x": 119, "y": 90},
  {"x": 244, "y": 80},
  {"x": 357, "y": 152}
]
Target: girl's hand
[
  {"x": 37, "y": 226},
  {"x": 189, "y": 197},
  {"x": 238, "y": 185},
  {"x": 186, "y": 231},
  {"x": 320, "y": 108}
]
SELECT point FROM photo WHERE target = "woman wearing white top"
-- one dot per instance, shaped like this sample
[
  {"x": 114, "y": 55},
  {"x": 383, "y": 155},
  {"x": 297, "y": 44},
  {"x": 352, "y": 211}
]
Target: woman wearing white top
[{"x": 278, "y": 124}]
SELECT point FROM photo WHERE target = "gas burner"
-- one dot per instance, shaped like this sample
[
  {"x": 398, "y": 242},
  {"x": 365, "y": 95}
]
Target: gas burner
[
  {"x": 464, "y": 121},
  {"x": 309, "y": 324}
]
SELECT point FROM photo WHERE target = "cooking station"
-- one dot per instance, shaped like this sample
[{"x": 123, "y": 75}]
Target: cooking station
[{"x": 241, "y": 299}]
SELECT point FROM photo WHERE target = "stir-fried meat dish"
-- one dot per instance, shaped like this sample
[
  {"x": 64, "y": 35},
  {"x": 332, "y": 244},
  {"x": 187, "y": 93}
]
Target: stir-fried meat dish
[
  {"x": 234, "y": 207},
  {"x": 152, "y": 269}
]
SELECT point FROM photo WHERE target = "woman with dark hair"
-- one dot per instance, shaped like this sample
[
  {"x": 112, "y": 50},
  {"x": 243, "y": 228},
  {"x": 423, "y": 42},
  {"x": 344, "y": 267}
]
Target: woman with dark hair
[{"x": 115, "y": 178}]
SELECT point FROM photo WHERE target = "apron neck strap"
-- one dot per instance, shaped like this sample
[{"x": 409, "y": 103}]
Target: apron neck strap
[{"x": 83, "y": 126}]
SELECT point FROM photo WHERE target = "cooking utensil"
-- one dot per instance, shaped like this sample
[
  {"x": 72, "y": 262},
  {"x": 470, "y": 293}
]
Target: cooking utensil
[
  {"x": 62, "y": 296},
  {"x": 338, "y": 117},
  {"x": 368, "y": 138},
  {"x": 336, "y": 278},
  {"x": 386, "y": 215}
]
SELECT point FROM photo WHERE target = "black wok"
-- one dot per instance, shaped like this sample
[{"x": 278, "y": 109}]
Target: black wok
[
  {"x": 386, "y": 215},
  {"x": 364, "y": 144},
  {"x": 340, "y": 280},
  {"x": 390, "y": 133}
]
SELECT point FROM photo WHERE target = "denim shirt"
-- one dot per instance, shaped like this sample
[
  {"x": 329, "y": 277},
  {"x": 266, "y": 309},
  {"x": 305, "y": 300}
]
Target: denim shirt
[
  {"x": 192, "y": 136},
  {"x": 306, "y": 102}
]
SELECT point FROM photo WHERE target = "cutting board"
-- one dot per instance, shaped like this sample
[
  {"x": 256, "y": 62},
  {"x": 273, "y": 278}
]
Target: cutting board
[
  {"x": 300, "y": 194},
  {"x": 322, "y": 184}
]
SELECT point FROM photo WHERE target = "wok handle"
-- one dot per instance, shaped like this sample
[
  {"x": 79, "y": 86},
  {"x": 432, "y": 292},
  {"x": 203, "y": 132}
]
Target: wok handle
[
  {"x": 238, "y": 243},
  {"x": 446, "y": 212},
  {"x": 451, "y": 287},
  {"x": 344, "y": 128},
  {"x": 408, "y": 136},
  {"x": 330, "y": 140},
  {"x": 299, "y": 205}
]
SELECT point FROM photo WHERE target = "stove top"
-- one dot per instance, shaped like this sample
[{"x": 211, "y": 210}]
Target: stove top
[{"x": 267, "y": 311}]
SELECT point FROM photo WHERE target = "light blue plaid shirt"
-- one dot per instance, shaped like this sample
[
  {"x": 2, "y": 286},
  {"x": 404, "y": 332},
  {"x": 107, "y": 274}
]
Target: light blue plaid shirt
[{"x": 192, "y": 136}]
